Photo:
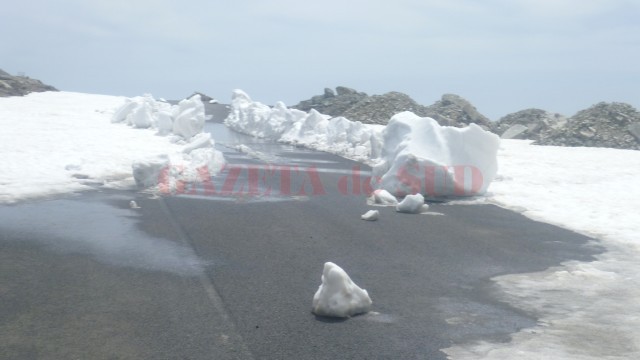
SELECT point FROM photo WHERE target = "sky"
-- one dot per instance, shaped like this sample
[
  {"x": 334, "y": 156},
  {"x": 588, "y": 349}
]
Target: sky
[{"x": 501, "y": 55}]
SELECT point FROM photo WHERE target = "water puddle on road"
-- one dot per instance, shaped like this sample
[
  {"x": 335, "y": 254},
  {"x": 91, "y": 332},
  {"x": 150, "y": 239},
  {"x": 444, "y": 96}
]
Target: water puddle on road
[{"x": 88, "y": 225}]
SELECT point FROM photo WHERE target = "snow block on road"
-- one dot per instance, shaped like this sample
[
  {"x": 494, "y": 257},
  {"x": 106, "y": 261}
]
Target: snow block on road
[{"x": 338, "y": 296}]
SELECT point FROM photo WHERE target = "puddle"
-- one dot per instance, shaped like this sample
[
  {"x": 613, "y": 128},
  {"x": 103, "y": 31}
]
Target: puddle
[{"x": 110, "y": 235}]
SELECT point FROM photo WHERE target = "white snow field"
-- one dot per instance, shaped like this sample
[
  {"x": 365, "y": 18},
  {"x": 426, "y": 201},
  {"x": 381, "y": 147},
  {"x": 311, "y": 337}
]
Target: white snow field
[
  {"x": 338, "y": 296},
  {"x": 587, "y": 311},
  {"x": 59, "y": 142}
]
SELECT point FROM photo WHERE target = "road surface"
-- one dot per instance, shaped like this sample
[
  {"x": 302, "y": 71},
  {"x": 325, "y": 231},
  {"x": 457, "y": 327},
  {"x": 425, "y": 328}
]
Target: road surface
[{"x": 231, "y": 275}]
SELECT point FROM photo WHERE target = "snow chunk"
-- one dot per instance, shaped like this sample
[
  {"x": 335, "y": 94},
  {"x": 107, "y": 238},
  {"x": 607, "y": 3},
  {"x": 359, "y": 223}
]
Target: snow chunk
[
  {"x": 420, "y": 156},
  {"x": 189, "y": 117},
  {"x": 371, "y": 215},
  {"x": 146, "y": 172},
  {"x": 412, "y": 204},
  {"x": 383, "y": 197},
  {"x": 338, "y": 296}
]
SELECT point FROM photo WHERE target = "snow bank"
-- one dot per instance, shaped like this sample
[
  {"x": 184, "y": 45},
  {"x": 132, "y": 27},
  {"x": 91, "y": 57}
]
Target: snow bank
[
  {"x": 420, "y": 156},
  {"x": 188, "y": 117},
  {"x": 339, "y": 136},
  {"x": 60, "y": 142},
  {"x": 185, "y": 119},
  {"x": 185, "y": 122},
  {"x": 411, "y": 154},
  {"x": 338, "y": 296}
]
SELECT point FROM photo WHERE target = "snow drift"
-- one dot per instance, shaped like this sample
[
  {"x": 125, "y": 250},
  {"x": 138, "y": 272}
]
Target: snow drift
[
  {"x": 338, "y": 296},
  {"x": 420, "y": 156}
]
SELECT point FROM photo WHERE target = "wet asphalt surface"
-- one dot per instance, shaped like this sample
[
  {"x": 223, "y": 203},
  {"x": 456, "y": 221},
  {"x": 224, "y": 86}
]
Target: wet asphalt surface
[{"x": 231, "y": 275}]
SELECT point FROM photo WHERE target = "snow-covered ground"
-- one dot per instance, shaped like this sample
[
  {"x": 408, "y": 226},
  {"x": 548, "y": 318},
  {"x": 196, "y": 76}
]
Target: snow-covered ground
[
  {"x": 53, "y": 143},
  {"x": 60, "y": 142},
  {"x": 587, "y": 310}
]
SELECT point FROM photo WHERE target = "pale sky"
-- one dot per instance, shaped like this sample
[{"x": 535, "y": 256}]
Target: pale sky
[{"x": 502, "y": 55}]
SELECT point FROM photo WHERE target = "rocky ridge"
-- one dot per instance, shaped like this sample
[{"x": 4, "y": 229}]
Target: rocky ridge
[
  {"x": 451, "y": 110},
  {"x": 528, "y": 124},
  {"x": 20, "y": 85},
  {"x": 612, "y": 125}
]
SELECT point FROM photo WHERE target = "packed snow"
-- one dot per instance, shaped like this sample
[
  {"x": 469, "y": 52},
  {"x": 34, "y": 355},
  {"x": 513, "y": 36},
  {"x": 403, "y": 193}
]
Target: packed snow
[
  {"x": 350, "y": 139},
  {"x": 587, "y": 311},
  {"x": 371, "y": 215},
  {"x": 382, "y": 197},
  {"x": 411, "y": 154},
  {"x": 338, "y": 296},
  {"x": 59, "y": 142},
  {"x": 420, "y": 156}
]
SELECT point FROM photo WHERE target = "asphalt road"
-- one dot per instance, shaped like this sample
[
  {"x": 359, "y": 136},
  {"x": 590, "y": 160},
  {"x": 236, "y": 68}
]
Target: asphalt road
[{"x": 215, "y": 275}]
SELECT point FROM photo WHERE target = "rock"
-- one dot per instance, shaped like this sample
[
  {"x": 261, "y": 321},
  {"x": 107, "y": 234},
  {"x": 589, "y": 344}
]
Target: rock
[
  {"x": 451, "y": 110},
  {"x": 528, "y": 124},
  {"x": 602, "y": 125},
  {"x": 514, "y": 132},
  {"x": 330, "y": 103},
  {"x": 378, "y": 109},
  {"x": 634, "y": 129},
  {"x": 204, "y": 98},
  {"x": 328, "y": 93},
  {"x": 20, "y": 85}
]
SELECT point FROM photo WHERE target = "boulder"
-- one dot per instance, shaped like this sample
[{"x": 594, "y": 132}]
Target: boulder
[{"x": 528, "y": 124}]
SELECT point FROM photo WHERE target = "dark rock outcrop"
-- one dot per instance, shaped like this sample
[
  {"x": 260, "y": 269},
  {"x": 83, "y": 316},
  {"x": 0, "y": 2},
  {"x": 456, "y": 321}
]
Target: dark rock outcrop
[
  {"x": 20, "y": 85},
  {"x": 451, "y": 110},
  {"x": 613, "y": 125},
  {"x": 454, "y": 110},
  {"x": 528, "y": 124},
  {"x": 330, "y": 103},
  {"x": 378, "y": 109}
]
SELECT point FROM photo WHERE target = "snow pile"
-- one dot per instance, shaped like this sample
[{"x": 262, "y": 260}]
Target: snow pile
[
  {"x": 420, "y": 156},
  {"x": 60, "y": 142},
  {"x": 185, "y": 122},
  {"x": 586, "y": 311},
  {"x": 338, "y": 296},
  {"x": 412, "y": 204},
  {"x": 185, "y": 119},
  {"x": 371, "y": 215},
  {"x": 339, "y": 136}
]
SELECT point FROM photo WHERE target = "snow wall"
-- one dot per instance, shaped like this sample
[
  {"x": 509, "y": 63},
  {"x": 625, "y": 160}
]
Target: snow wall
[
  {"x": 350, "y": 139},
  {"x": 410, "y": 155}
]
